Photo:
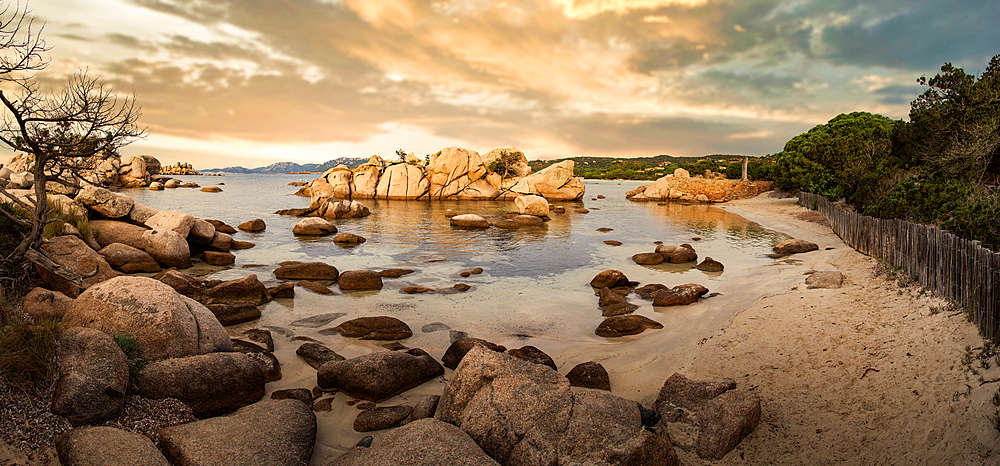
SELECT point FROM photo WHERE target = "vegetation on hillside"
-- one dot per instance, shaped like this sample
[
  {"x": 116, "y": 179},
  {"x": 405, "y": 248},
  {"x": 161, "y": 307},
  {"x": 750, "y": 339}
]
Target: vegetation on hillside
[
  {"x": 645, "y": 168},
  {"x": 940, "y": 168}
]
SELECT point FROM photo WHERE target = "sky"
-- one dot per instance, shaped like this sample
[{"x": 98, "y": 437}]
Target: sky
[{"x": 252, "y": 82}]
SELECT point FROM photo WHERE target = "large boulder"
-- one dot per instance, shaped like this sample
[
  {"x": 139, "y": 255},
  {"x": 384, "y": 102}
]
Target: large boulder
[
  {"x": 426, "y": 442},
  {"x": 589, "y": 375},
  {"x": 359, "y": 280},
  {"x": 212, "y": 384},
  {"x": 175, "y": 220},
  {"x": 555, "y": 182},
  {"x": 342, "y": 209},
  {"x": 73, "y": 253},
  {"x": 532, "y": 205},
  {"x": 402, "y": 181},
  {"x": 267, "y": 433},
  {"x": 379, "y": 376},
  {"x": 107, "y": 446},
  {"x": 314, "y": 226},
  {"x": 140, "y": 213},
  {"x": 364, "y": 182},
  {"x": 720, "y": 413},
  {"x": 523, "y": 413},
  {"x": 677, "y": 254},
  {"x": 128, "y": 259},
  {"x": 202, "y": 232},
  {"x": 451, "y": 170},
  {"x": 105, "y": 202},
  {"x": 307, "y": 271},
  {"x": 111, "y": 231},
  {"x": 167, "y": 247},
  {"x": 93, "y": 376},
  {"x": 246, "y": 291},
  {"x": 460, "y": 347},
  {"x": 163, "y": 323},
  {"x": 469, "y": 221},
  {"x": 513, "y": 163},
  {"x": 253, "y": 226}
]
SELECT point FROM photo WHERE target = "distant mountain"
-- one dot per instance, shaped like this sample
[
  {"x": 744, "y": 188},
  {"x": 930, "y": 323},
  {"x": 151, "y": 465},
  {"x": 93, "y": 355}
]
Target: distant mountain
[{"x": 292, "y": 167}]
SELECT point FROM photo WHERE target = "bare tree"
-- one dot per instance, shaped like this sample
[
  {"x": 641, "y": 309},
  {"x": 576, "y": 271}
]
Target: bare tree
[{"x": 64, "y": 132}]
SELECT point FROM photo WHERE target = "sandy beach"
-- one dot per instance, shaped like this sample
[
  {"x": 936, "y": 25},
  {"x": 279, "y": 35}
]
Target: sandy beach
[{"x": 866, "y": 374}]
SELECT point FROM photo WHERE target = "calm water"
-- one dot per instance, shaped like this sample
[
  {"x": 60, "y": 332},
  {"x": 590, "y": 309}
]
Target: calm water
[{"x": 534, "y": 291}]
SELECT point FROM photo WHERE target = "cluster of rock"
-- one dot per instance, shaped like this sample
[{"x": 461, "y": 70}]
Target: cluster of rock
[
  {"x": 682, "y": 254},
  {"x": 109, "y": 171},
  {"x": 532, "y": 211},
  {"x": 452, "y": 173},
  {"x": 681, "y": 186}
]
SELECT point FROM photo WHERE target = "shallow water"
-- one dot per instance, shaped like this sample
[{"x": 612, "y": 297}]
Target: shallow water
[{"x": 534, "y": 289}]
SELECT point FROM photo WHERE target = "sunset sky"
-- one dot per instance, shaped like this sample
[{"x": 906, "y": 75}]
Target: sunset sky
[{"x": 250, "y": 83}]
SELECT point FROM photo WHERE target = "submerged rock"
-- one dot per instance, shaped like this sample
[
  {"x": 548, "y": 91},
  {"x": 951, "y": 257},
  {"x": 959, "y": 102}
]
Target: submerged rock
[
  {"x": 619, "y": 326},
  {"x": 380, "y": 376},
  {"x": 375, "y": 328}
]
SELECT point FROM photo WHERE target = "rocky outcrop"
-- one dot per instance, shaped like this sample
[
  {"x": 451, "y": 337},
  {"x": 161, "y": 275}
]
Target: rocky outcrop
[
  {"x": 234, "y": 301},
  {"x": 105, "y": 202},
  {"x": 163, "y": 323},
  {"x": 71, "y": 252},
  {"x": 682, "y": 187},
  {"x": 267, "y": 433},
  {"x": 522, "y": 413}
]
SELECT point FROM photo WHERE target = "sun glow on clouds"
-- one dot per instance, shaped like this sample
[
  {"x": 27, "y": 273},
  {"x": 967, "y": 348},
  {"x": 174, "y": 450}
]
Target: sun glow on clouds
[{"x": 582, "y": 9}]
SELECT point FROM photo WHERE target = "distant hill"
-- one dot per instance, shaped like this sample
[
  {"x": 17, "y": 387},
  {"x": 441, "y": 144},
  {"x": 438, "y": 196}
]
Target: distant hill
[{"x": 292, "y": 167}]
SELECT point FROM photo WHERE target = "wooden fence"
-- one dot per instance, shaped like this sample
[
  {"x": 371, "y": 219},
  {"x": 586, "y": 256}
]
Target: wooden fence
[{"x": 961, "y": 271}]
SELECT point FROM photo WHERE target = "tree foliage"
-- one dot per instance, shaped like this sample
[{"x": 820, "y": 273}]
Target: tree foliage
[{"x": 65, "y": 131}]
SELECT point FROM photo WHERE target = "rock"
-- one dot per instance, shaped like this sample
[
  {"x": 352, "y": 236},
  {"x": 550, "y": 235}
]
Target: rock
[
  {"x": 313, "y": 226},
  {"x": 426, "y": 442},
  {"x": 721, "y": 413},
  {"x": 325, "y": 404},
  {"x": 318, "y": 320},
  {"x": 167, "y": 247},
  {"x": 139, "y": 214},
  {"x": 677, "y": 254},
  {"x": 232, "y": 314},
  {"x": 375, "y": 328},
  {"x": 647, "y": 258},
  {"x": 218, "y": 258},
  {"x": 221, "y": 226},
  {"x": 679, "y": 295},
  {"x": 360, "y": 280},
  {"x": 128, "y": 259},
  {"x": 211, "y": 189},
  {"x": 202, "y": 232},
  {"x": 461, "y": 346},
  {"x": 402, "y": 181},
  {"x": 307, "y": 271},
  {"x": 314, "y": 287},
  {"x": 612, "y": 279},
  {"x": 163, "y": 323},
  {"x": 612, "y": 242},
  {"x": 380, "y": 376},
  {"x": 93, "y": 377},
  {"x": 462, "y": 287},
  {"x": 282, "y": 290},
  {"x": 107, "y": 446},
  {"x": 267, "y": 362},
  {"x": 647, "y": 291},
  {"x": 614, "y": 304},
  {"x": 246, "y": 291},
  {"x": 175, "y": 220},
  {"x": 794, "y": 246},
  {"x": 394, "y": 273},
  {"x": 241, "y": 245},
  {"x": 710, "y": 265},
  {"x": 532, "y": 205},
  {"x": 105, "y": 202},
  {"x": 415, "y": 289},
  {"x": 521, "y": 413},
  {"x": 619, "y": 326},
  {"x": 111, "y": 231},
  {"x": 589, "y": 375},
  {"x": 469, "y": 221},
  {"x": 528, "y": 220},
  {"x": 156, "y": 186},
  {"x": 172, "y": 184},
  {"x": 533, "y": 355},
  {"x": 424, "y": 409},
  {"x": 302, "y": 394},
  {"x": 267, "y": 433},
  {"x": 221, "y": 241},
  {"x": 260, "y": 335},
  {"x": 212, "y": 384},
  {"x": 42, "y": 304},
  {"x": 253, "y": 226},
  {"x": 348, "y": 238},
  {"x": 381, "y": 418},
  {"x": 73, "y": 253},
  {"x": 316, "y": 354},
  {"x": 825, "y": 279}
]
